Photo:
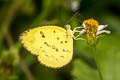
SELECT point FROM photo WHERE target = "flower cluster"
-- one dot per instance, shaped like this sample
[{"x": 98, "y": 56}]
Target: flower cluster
[{"x": 92, "y": 29}]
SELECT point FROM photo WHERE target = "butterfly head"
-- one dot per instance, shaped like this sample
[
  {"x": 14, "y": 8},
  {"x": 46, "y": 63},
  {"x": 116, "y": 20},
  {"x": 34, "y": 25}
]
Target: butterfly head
[
  {"x": 69, "y": 31},
  {"x": 68, "y": 27}
]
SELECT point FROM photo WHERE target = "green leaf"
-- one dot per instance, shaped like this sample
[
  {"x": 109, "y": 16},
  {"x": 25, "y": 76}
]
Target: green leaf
[
  {"x": 108, "y": 55},
  {"x": 83, "y": 71}
]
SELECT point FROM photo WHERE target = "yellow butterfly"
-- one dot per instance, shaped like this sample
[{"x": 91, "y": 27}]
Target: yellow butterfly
[{"x": 52, "y": 44}]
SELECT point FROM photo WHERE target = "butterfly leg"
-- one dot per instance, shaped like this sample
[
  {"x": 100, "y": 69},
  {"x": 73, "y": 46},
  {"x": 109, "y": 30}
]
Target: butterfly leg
[
  {"x": 80, "y": 33},
  {"x": 75, "y": 29},
  {"x": 76, "y": 37}
]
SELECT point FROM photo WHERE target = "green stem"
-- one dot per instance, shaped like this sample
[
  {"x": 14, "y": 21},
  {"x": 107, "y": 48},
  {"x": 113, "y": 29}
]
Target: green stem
[{"x": 97, "y": 63}]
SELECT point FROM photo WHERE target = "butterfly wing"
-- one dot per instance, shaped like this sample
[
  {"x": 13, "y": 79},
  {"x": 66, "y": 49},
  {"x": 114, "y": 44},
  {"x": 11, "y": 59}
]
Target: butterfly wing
[{"x": 51, "y": 43}]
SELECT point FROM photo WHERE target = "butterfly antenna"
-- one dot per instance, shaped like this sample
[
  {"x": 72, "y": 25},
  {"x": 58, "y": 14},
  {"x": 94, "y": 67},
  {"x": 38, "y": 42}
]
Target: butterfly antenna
[
  {"x": 81, "y": 21},
  {"x": 75, "y": 14}
]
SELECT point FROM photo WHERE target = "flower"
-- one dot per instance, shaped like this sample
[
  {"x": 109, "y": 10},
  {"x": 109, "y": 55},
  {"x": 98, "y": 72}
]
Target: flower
[{"x": 92, "y": 29}]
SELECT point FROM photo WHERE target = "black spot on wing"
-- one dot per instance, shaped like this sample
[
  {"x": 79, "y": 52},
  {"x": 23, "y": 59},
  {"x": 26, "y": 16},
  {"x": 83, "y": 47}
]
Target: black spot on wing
[
  {"x": 64, "y": 50},
  {"x": 28, "y": 30},
  {"x": 47, "y": 56},
  {"x": 54, "y": 31},
  {"x": 62, "y": 56},
  {"x": 61, "y": 42},
  {"x": 65, "y": 41},
  {"x": 56, "y": 59},
  {"x": 45, "y": 42},
  {"x": 42, "y": 34},
  {"x": 53, "y": 47},
  {"x": 56, "y": 49},
  {"x": 24, "y": 33},
  {"x": 40, "y": 47},
  {"x": 58, "y": 38},
  {"x": 43, "y": 51}
]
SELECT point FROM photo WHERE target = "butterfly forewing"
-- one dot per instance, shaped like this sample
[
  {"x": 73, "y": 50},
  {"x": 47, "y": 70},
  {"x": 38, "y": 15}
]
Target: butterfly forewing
[{"x": 51, "y": 43}]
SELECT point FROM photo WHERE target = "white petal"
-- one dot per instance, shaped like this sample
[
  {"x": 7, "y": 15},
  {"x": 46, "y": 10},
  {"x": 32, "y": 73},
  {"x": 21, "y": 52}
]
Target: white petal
[
  {"x": 84, "y": 26},
  {"x": 103, "y": 31},
  {"x": 101, "y": 27},
  {"x": 82, "y": 31}
]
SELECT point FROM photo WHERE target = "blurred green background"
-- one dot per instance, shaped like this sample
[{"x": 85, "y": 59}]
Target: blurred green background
[{"x": 18, "y": 15}]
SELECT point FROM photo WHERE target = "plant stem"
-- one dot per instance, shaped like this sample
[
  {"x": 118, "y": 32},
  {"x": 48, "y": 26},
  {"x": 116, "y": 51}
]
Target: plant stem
[{"x": 97, "y": 63}]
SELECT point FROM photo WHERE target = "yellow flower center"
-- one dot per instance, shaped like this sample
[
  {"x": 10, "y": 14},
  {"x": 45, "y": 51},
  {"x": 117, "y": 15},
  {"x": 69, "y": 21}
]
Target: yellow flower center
[
  {"x": 91, "y": 27},
  {"x": 91, "y": 23}
]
